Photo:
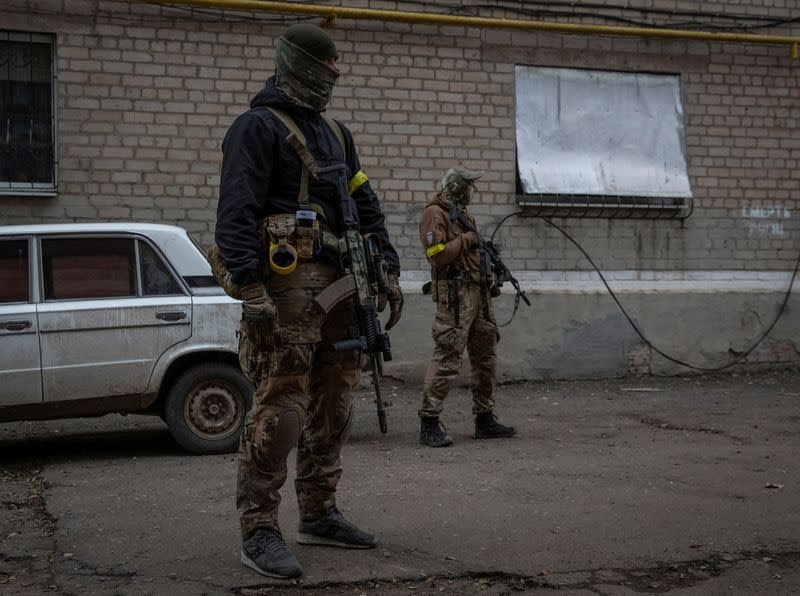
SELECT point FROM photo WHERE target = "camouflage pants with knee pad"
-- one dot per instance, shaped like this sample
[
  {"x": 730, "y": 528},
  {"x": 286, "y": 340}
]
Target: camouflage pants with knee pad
[
  {"x": 303, "y": 399},
  {"x": 458, "y": 327}
]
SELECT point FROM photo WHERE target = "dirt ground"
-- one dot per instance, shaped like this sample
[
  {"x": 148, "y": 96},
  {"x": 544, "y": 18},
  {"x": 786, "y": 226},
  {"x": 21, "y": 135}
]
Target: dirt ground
[{"x": 680, "y": 486}]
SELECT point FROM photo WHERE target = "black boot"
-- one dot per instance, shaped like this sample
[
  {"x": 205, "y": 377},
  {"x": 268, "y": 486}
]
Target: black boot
[
  {"x": 487, "y": 427},
  {"x": 266, "y": 552},
  {"x": 433, "y": 433}
]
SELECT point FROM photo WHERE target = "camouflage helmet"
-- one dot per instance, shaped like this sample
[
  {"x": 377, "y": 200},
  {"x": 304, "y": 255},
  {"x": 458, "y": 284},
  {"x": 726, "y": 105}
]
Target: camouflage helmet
[{"x": 457, "y": 183}]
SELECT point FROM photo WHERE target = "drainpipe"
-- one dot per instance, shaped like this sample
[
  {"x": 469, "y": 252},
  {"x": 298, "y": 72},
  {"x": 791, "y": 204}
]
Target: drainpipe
[{"x": 331, "y": 13}]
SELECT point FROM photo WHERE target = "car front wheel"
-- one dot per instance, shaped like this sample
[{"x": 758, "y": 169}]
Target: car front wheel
[{"x": 206, "y": 407}]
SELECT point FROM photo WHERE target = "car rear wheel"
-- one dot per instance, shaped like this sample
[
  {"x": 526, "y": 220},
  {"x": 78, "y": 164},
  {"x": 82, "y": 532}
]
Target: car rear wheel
[{"x": 206, "y": 407}]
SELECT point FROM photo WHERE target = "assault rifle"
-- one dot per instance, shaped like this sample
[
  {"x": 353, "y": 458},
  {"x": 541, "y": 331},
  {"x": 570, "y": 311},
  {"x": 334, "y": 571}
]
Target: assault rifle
[
  {"x": 366, "y": 278},
  {"x": 363, "y": 261},
  {"x": 491, "y": 263}
]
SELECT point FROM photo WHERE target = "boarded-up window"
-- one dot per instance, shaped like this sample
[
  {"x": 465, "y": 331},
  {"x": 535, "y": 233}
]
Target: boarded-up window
[
  {"x": 14, "y": 282},
  {"x": 600, "y": 135},
  {"x": 78, "y": 268}
]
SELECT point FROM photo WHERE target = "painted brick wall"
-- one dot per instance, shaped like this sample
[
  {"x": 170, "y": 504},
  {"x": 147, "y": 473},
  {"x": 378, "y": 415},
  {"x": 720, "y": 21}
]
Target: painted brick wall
[{"x": 146, "y": 93}]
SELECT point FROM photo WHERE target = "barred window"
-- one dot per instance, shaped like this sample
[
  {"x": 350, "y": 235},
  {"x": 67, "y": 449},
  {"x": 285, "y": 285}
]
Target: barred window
[
  {"x": 601, "y": 143},
  {"x": 27, "y": 131}
]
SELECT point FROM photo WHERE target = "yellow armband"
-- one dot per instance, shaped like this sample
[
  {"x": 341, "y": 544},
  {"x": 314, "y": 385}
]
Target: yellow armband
[
  {"x": 434, "y": 250},
  {"x": 356, "y": 181}
]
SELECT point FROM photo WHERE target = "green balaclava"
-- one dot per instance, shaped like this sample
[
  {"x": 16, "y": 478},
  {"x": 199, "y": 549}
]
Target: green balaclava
[
  {"x": 457, "y": 185},
  {"x": 301, "y": 71}
]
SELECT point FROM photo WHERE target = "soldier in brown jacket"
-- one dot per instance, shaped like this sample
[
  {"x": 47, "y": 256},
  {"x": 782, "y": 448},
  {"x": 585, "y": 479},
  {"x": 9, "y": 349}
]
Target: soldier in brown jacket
[{"x": 464, "y": 317}]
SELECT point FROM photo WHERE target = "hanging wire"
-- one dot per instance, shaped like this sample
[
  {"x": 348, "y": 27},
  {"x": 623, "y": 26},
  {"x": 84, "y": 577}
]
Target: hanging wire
[{"x": 638, "y": 331}]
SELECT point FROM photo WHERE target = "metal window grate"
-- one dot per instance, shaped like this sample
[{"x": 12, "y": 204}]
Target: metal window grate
[
  {"x": 606, "y": 207},
  {"x": 27, "y": 122}
]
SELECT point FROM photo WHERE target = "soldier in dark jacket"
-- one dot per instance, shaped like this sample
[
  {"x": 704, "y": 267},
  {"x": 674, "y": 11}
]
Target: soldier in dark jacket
[
  {"x": 271, "y": 218},
  {"x": 464, "y": 316}
]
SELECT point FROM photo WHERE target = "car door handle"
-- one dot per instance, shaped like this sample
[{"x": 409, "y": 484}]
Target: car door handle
[
  {"x": 173, "y": 315},
  {"x": 15, "y": 325}
]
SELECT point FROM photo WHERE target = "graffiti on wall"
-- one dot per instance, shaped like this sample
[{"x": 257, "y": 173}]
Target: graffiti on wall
[{"x": 766, "y": 220}]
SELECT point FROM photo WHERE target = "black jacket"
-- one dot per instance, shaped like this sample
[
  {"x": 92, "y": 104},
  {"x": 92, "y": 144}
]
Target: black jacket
[{"x": 261, "y": 177}]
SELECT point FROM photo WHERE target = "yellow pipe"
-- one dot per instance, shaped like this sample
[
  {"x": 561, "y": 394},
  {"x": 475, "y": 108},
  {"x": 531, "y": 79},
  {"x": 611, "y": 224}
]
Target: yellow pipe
[{"x": 333, "y": 12}]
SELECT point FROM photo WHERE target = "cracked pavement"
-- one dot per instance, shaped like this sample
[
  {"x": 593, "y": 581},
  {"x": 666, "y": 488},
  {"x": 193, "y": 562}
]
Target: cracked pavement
[{"x": 680, "y": 486}]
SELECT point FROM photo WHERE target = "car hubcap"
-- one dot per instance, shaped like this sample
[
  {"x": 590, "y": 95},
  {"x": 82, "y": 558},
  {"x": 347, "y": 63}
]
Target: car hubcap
[{"x": 214, "y": 410}]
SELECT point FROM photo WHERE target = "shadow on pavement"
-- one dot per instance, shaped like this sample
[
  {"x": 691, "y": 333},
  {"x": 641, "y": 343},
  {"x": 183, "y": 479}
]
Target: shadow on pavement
[{"x": 93, "y": 445}]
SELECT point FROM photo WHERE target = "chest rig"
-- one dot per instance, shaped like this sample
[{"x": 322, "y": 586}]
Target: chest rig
[
  {"x": 299, "y": 236},
  {"x": 449, "y": 282}
]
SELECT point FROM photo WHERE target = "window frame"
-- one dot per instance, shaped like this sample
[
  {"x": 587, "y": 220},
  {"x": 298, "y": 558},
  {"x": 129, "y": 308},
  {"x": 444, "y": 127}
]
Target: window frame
[
  {"x": 38, "y": 189},
  {"x": 608, "y": 206},
  {"x": 32, "y": 297},
  {"x": 135, "y": 238},
  {"x": 177, "y": 279}
]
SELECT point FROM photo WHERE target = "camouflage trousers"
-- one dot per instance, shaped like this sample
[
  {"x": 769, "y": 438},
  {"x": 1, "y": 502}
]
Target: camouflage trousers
[
  {"x": 302, "y": 399},
  {"x": 451, "y": 335}
]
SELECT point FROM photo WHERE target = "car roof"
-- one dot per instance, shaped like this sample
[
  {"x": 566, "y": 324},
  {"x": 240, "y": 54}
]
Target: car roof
[
  {"x": 62, "y": 228},
  {"x": 174, "y": 241}
]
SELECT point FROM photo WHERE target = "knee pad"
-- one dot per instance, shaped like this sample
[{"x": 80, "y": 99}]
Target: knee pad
[{"x": 278, "y": 439}]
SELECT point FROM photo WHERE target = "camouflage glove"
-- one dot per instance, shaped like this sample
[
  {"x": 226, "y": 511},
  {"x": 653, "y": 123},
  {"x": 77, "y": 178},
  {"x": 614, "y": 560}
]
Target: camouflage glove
[
  {"x": 394, "y": 296},
  {"x": 220, "y": 272},
  {"x": 259, "y": 317}
]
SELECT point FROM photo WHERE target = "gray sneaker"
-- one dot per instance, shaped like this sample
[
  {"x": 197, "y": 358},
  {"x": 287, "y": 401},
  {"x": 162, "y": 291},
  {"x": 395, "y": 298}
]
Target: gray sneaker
[
  {"x": 266, "y": 552},
  {"x": 332, "y": 529}
]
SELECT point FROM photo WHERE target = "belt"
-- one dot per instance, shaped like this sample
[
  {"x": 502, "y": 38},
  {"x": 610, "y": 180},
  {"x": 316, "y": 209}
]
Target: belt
[{"x": 456, "y": 274}]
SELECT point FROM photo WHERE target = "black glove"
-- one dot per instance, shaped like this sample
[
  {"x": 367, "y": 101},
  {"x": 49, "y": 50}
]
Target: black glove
[
  {"x": 259, "y": 317},
  {"x": 394, "y": 296}
]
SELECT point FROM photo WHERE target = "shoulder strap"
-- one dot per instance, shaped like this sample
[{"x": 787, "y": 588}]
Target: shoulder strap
[
  {"x": 337, "y": 130},
  {"x": 288, "y": 122},
  {"x": 360, "y": 177}
]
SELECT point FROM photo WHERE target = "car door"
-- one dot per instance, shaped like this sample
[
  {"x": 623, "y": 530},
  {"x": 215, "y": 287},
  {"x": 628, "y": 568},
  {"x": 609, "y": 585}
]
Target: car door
[
  {"x": 20, "y": 364},
  {"x": 111, "y": 306}
]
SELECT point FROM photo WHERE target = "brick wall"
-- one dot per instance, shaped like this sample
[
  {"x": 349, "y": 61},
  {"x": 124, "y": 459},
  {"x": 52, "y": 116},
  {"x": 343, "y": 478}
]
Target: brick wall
[{"x": 146, "y": 93}]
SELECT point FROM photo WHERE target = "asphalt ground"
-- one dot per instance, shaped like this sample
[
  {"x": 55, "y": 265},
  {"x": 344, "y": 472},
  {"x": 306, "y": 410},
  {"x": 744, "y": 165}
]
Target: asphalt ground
[{"x": 680, "y": 486}]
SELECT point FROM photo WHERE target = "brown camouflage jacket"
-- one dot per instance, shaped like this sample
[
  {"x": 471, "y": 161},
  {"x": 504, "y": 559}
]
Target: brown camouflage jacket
[{"x": 443, "y": 240}]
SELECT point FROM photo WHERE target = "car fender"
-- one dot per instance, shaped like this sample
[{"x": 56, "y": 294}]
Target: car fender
[
  {"x": 179, "y": 351},
  {"x": 214, "y": 324}
]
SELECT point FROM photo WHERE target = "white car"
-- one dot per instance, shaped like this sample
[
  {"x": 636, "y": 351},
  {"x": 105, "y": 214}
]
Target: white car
[{"x": 102, "y": 318}]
